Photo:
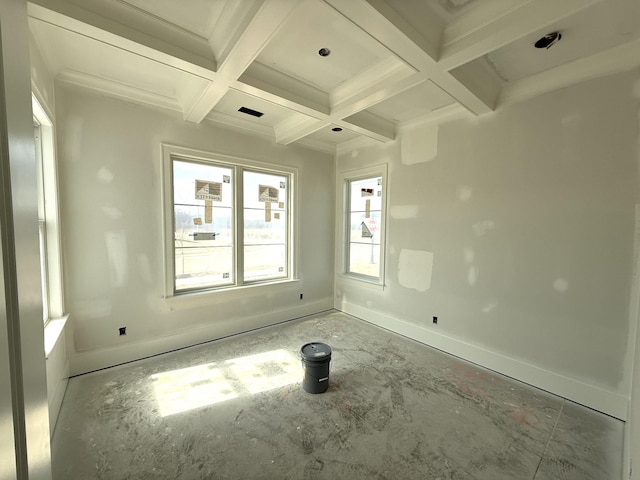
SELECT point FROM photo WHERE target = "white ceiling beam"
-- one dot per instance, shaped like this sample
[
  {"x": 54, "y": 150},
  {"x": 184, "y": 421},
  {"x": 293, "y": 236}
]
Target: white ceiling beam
[
  {"x": 507, "y": 28},
  {"x": 298, "y": 105},
  {"x": 614, "y": 60},
  {"x": 266, "y": 22},
  {"x": 296, "y": 128},
  {"x": 116, "y": 89},
  {"x": 370, "y": 125},
  {"x": 480, "y": 14},
  {"x": 71, "y": 17},
  {"x": 376, "y": 92},
  {"x": 384, "y": 30},
  {"x": 288, "y": 88},
  {"x": 391, "y": 15}
]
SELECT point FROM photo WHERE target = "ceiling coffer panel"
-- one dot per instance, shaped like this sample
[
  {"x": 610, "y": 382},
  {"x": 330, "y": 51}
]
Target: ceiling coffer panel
[{"x": 368, "y": 67}]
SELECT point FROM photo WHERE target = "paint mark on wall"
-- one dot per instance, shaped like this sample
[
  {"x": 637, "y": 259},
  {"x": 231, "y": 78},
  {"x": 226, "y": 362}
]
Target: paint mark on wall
[
  {"x": 113, "y": 213},
  {"x": 403, "y": 212},
  {"x": 419, "y": 145},
  {"x": 464, "y": 193},
  {"x": 482, "y": 228},
  {"x": 468, "y": 254},
  {"x": 73, "y": 138},
  {"x": 472, "y": 275},
  {"x": 118, "y": 259},
  {"x": 560, "y": 285},
  {"x": 415, "y": 269},
  {"x": 490, "y": 306},
  {"x": 144, "y": 269},
  {"x": 105, "y": 175}
]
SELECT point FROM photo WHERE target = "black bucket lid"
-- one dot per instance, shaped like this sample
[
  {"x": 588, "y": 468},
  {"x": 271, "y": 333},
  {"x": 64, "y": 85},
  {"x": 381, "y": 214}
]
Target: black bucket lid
[{"x": 315, "y": 351}]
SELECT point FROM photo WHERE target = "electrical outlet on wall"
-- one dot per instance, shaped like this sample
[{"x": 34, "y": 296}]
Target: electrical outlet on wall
[
  {"x": 435, "y": 320},
  {"x": 122, "y": 331}
]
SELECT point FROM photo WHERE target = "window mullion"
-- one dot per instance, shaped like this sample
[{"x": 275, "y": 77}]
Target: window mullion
[{"x": 239, "y": 226}]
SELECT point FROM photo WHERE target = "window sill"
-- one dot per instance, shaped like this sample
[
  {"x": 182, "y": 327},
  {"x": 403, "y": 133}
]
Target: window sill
[
  {"x": 361, "y": 282},
  {"x": 52, "y": 333},
  {"x": 197, "y": 299}
]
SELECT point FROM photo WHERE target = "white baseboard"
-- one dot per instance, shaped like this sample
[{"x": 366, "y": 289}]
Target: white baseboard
[
  {"x": 84, "y": 362},
  {"x": 591, "y": 396},
  {"x": 55, "y": 402}
]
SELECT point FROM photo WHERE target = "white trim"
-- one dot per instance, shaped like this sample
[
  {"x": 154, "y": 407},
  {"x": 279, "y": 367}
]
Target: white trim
[
  {"x": 51, "y": 206},
  {"x": 341, "y": 231},
  {"x": 360, "y": 281},
  {"x": 597, "y": 398},
  {"x": 230, "y": 294},
  {"x": 96, "y": 359},
  {"x": 53, "y": 330},
  {"x": 181, "y": 300}
]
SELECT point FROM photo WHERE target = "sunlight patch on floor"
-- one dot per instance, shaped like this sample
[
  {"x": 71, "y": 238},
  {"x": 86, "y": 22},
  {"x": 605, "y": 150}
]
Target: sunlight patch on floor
[{"x": 207, "y": 384}]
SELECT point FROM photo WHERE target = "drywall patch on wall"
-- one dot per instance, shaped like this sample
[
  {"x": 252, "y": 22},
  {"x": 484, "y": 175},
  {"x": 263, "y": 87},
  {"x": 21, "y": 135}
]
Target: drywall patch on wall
[
  {"x": 419, "y": 145},
  {"x": 403, "y": 212},
  {"x": 415, "y": 269}
]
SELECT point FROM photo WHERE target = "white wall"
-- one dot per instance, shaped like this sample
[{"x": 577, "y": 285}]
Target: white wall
[
  {"x": 529, "y": 214},
  {"x": 110, "y": 177}
]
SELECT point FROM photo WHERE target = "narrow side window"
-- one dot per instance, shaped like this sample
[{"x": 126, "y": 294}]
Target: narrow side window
[{"x": 364, "y": 224}]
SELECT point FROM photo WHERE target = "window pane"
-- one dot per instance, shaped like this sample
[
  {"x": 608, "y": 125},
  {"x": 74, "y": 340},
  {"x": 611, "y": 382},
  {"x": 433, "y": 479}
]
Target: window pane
[
  {"x": 265, "y": 226},
  {"x": 364, "y": 224},
  {"x": 203, "y": 220},
  {"x": 198, "y": 267},
  {"x": 263, "y": 262},
  {"x": 44, "y": 277},
  {"x": 366, "y": 192},
  {"x": 363, "y": 229},
  {"x": 364, "y": 259}
]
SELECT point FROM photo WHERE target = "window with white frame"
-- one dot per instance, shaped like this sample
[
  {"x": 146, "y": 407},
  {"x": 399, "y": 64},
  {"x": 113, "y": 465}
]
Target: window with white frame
[
  {"x": 230, "y": 222},
  {"x": 364, "y": 222},
  {"x": 48, "y": 215}
]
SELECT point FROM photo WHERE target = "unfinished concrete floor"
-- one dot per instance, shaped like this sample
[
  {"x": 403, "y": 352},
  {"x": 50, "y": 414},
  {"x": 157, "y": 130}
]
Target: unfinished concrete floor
[{"x": 395, "y": 409}]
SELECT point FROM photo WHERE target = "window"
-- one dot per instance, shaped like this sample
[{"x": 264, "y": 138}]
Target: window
[
  {"x": 364, "y": 207},
  {"x": 230, "y": 222},
  {"x": 48, "y": 216}
]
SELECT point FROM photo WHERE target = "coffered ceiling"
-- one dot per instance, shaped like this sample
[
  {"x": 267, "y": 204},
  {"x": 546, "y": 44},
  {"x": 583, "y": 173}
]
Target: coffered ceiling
[{"x": 390, "y": 63}]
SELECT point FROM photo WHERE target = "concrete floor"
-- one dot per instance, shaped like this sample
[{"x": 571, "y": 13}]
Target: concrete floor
[{"x": 395, "y": 409}]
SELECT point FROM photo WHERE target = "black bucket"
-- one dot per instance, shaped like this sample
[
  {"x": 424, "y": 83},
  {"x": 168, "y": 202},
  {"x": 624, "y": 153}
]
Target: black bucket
[{"x": 315, "y": 361}]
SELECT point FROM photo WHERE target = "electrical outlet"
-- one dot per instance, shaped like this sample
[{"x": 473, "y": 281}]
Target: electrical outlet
[
  {"x": 122, "y": 330},
  {"x": 435, "y": 320}
]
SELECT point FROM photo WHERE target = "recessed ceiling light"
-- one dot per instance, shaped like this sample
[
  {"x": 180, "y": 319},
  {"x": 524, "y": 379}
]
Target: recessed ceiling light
[
  {"x": 324, "y": 52},
  {"x": 549, "y": 40},
  {"x": 336, "y": 129}
]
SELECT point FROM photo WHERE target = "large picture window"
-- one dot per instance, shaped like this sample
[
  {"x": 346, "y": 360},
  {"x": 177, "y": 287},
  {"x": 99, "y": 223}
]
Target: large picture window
[{"x": 230, "y": 222}]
